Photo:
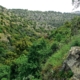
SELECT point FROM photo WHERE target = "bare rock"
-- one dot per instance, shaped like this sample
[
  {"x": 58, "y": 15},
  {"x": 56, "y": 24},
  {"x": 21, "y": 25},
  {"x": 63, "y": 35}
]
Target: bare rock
[{"x": 73, "y": 62}]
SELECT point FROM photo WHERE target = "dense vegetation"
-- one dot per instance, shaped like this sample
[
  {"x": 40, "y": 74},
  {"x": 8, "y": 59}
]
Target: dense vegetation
[
  {"x": 34, "y": 44},
  {"x": 44, "y": 19}
]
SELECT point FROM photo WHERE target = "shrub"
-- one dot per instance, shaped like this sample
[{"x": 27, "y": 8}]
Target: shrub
[{"x": 76, "y": 42}]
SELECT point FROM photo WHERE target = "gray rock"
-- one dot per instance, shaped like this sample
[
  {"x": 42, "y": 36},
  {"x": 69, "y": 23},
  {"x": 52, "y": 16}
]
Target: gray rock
[{"x": 73, "y": 62}]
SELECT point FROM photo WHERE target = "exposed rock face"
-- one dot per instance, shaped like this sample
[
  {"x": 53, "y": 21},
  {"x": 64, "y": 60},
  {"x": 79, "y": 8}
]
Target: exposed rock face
[{"x": 73, "y": 62}]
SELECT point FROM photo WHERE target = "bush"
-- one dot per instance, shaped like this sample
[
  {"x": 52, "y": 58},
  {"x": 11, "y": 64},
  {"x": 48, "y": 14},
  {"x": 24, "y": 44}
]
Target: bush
[
  {"x": 76, "y": 43},
  {"x": 4, "y": 72},
  {"x": 55, "y": 46}
]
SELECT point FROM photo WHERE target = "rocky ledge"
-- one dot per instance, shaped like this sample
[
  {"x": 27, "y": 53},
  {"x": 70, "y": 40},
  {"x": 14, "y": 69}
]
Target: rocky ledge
[{"x": 73, "y": 62}]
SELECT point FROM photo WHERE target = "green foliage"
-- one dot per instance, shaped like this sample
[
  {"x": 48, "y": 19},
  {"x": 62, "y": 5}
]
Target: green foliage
[
  {"x": 58, "y": 57},
  {"x": 2, "y": 50},
  {"x": 58, "y": 37},
  {"x": 14, "y": 71},
  {"x": 33, "y": 45},
  {"x": 22, "y": 45},
  {"x": 53, "y": 19},
  {"x": 66, "y": 74},
  {"x": 75, "y": 27},
  {"x": 34, "y": 58},
  {"x": 55, "y": 46},
  {"x": 76, "y": 41},
  {"x": 4, "y": 72},
  {"x": 18, "y": 68},
  {"x": 62, "y": 34}
]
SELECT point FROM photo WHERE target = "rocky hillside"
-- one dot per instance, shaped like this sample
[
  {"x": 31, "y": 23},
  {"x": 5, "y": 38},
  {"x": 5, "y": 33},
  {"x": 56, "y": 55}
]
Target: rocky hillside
[{"x": 45, "y": 19}]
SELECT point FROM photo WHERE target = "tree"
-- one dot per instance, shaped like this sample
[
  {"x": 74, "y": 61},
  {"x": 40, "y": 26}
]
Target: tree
[
  {"x": 22, "y": 45},
  {"x": 14, "y": 71},
  {"x": 76, "y": 3},
  {"x": 75, "y": 26},
  {"x": 2, "y": 50},
  {"x": 35, "y": 57}
]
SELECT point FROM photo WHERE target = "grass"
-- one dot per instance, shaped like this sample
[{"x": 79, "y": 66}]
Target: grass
[{"x": 57, "y": 59}]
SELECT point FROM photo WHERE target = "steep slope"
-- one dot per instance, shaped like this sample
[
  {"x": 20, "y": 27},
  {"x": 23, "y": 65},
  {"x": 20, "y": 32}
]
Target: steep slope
[{"x": 30, "y": 47}]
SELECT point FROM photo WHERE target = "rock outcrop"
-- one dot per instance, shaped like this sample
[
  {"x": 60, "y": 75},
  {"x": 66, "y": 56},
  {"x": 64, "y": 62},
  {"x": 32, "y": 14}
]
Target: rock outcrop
[{"x": 73, "y": 62}]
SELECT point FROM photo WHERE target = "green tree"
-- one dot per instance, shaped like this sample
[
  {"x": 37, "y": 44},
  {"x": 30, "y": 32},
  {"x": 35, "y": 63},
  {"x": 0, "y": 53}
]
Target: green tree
[
  {"x": 75, "y": 26},
  {"x": 35, "y": 57},
  {"x": 2, "y": 50},
  {"x": 22, "y": 45},
  {"x": 34, "y": 61},
  {"x": 14, "y": 71}
]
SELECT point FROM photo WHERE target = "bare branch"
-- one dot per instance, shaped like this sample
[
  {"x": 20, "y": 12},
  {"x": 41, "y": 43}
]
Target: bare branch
[{"x": 75, "y": 3}]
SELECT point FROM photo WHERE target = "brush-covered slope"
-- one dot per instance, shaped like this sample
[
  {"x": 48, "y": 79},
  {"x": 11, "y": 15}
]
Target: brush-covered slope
[
  {"x": 31, "y": 48},
  {"x": 45, "y": 19}
]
